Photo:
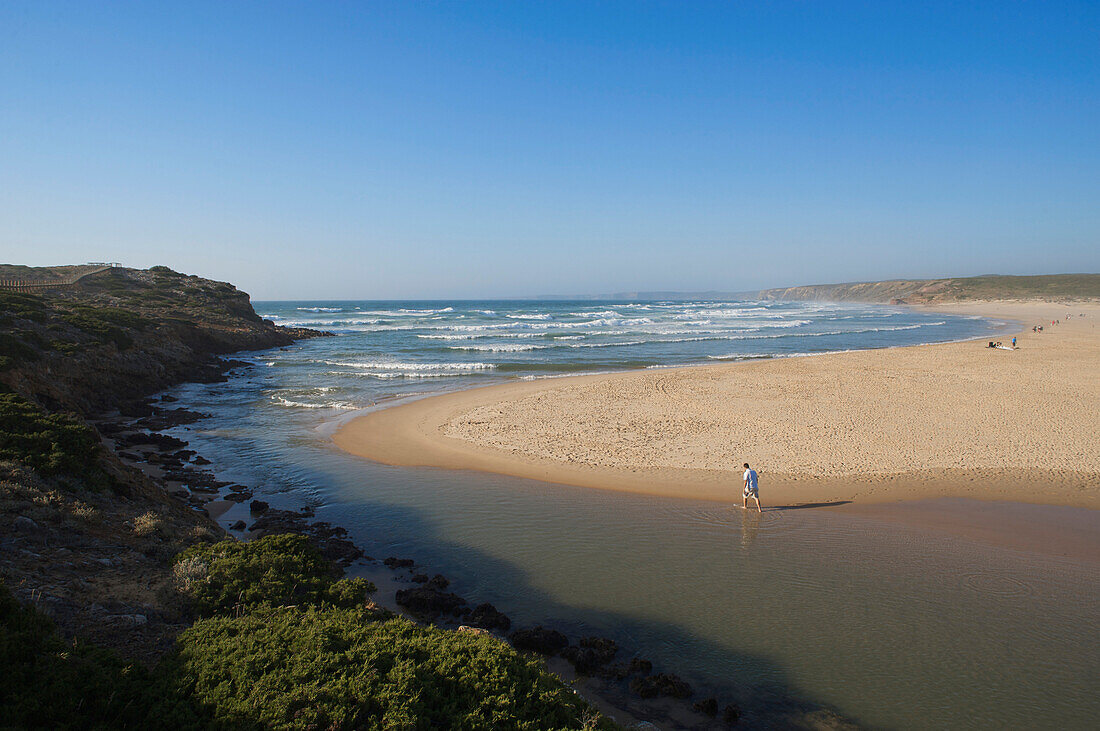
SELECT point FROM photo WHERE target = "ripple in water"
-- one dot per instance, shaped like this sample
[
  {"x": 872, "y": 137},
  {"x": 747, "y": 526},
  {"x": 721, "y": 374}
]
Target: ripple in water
[{"x": 991, "y": 584}]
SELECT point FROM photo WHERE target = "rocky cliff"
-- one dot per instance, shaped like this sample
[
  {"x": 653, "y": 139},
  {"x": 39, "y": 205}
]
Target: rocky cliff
[
  {"x": 930, "y": 291},
  {"x": 87, "y": 528},
  {"x": 121, "y": 334}
]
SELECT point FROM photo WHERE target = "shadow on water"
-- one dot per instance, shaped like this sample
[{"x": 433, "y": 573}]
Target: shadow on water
[
  {"x": 382, "y": 528},
  {"x": 805, "y": 506},
  {"x": 477, "y": 576}
]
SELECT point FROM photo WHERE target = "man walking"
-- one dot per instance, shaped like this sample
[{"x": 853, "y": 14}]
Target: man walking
[{"x": 751, "y": 489}]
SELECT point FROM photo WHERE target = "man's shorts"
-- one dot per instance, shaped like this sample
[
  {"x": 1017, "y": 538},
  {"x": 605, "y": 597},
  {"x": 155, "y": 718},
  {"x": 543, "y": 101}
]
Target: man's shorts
[{"x": 752, "y": 492}]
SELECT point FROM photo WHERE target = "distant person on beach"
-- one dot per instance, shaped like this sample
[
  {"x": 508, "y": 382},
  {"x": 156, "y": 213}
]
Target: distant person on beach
[
  {"x": 1014, "y": 342},
  {"x": 751, "y": 489}
]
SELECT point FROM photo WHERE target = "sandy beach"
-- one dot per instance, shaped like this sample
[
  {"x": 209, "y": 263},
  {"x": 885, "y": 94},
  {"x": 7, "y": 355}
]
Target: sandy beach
[{"x": 949, "y": 420}]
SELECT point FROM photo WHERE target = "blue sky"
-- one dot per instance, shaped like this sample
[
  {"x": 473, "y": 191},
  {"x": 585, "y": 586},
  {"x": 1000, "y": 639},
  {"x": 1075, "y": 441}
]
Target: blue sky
[{"x": 440, "y": 150}]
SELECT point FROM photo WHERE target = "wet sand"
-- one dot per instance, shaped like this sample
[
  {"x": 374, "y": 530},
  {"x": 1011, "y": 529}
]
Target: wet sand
[{"x": 950, "y": 420}]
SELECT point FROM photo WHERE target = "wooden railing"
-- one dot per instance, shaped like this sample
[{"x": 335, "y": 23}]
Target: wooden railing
[{"x": 37, "y": 285}]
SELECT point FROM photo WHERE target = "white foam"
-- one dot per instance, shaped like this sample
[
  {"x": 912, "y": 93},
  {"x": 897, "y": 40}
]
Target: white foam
[
  {"x": 306, "y": 405},
  {"x": 501, "y": 348},
  {"x": 387, "y": 365}
]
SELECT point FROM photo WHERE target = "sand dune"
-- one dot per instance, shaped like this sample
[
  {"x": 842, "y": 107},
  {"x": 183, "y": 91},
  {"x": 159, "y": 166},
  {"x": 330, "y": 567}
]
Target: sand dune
[{"x": 954, "y": 419}]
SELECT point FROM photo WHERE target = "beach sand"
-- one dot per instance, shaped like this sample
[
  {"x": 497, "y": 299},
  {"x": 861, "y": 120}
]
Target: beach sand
[{"x": 950, "y": 420}]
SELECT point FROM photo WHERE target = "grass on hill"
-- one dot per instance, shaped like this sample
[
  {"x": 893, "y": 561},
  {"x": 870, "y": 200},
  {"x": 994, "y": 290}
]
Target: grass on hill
[{"x": 1042, "y": 286}]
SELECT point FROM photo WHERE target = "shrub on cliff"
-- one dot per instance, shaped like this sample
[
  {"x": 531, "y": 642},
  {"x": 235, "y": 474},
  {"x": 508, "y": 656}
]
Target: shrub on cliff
[
  {"x": 51, "y": 683},
  {"x": 55, "y": 445},
  {"x": 277, "y": 570},
  {"x": 106, "y": 324},
  {"x": 341, "y": 669}
]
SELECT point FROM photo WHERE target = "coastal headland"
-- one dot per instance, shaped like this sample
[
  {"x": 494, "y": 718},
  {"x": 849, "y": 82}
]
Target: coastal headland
[{"x": 944, "y": 420}]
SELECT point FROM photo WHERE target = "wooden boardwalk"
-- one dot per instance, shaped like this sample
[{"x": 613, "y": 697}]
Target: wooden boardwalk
[{"x": 39, "y": 285}]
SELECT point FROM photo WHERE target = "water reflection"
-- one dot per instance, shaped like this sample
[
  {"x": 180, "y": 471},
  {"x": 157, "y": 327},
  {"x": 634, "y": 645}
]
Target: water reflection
[{"x": 750, "y": 526}]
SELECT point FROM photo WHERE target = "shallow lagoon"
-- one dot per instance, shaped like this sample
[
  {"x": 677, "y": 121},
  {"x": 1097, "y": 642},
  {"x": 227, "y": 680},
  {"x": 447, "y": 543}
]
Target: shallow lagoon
[{"x": 891, "y": 624}]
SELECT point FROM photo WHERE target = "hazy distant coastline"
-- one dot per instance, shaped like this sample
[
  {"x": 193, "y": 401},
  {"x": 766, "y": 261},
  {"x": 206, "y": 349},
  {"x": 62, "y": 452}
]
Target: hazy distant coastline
[{"x": 913, "y": 291}]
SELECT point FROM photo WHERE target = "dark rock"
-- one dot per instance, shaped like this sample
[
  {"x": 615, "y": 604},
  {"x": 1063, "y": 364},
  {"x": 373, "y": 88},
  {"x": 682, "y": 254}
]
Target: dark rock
[
  {"x": 157, "y": 440},
  {"x": 23, "y": 524},
  {"x": 135, "y": 408},
  {"x": 194, "y": 478},
  {"x": 238, "y": 497},
  {"x": 258, "y": 507},
  {"x": 622, "y": 670},
  {"x": 487, "y": 616},
  {"x": 164, "y": 459},
  {"x": 439, "y": 581},
  {"x": 332, "y": 543},
  {"x": 539, "y": 639},
  {"x": 201, "y": 461},
  {"x": 168, "y": 418},
  {"x": 239, "y": 525},
  {"x": 708, "y": 706},
  {"x": 419, "y": 578},
  {"x": 399, "y": 563},
  {"x": 180, "y": 494},
  {"x": 427, "y": 604},
  {"x": 168, "y": 399},
  {"x": 329, "y": 539},
  {"x": 732, "y": 714},
  {"x": 660, "y": 684},
  {"x": 591, "y": 654}
]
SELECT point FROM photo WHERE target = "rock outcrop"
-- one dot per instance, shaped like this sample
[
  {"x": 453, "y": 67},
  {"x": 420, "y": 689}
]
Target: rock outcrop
[{"x": 119, "y": 335}]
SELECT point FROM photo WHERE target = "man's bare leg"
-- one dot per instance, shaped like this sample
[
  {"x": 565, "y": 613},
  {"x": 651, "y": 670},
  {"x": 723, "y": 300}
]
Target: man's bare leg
[{"x": 758, "y": 508}]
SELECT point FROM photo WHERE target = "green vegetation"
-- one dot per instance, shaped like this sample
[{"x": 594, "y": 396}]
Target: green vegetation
[
  {"x": 923, "y": 291},
  {"x": 327, "y": 660},
  {"x": 55, "y": 445},
  {"x": 18, "y": 306},
  {"x": 50, "y": 683},
  {"x": 1043, "y": 286},
  {"x": 342, "y": 668},
  {"x": 276, "y": 570}
]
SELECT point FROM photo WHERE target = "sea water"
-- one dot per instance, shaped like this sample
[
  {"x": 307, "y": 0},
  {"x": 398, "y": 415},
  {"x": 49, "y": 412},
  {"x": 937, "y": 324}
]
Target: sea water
[
  {"x": 388, "y": 349},
  {"x": 890, "y": 626}
]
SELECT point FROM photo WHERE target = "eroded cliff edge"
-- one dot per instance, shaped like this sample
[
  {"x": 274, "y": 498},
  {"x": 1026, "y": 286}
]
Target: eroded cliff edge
[{"x": 118, "y": 335}]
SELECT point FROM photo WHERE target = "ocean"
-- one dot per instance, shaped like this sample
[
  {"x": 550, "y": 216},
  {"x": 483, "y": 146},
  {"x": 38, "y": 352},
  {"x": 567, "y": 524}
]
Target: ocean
[
  {"x": 893, "y": 627},
  {"x": 394, "y": 349}
]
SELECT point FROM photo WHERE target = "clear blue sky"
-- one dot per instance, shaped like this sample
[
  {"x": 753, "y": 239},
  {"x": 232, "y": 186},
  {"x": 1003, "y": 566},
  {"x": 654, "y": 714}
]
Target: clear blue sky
[{"x": 422, "y": 149}]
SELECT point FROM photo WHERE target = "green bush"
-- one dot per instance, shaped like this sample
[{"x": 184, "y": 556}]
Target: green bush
[
  {"x": 114, "y": 316},
  {"x": 19, "y": 306},
  {"x": 292, "y": 667},
  {"x": 340, "y": 669},
  {"x": 15, "y": 350},
  {"x": 107, "y": 324},
  {"x": 277, "y": 570},
  {"x": 52, "y": 444},
  {"x": 51, "y": 683}
]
